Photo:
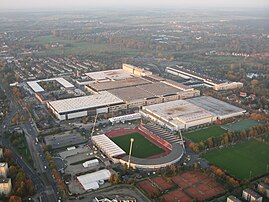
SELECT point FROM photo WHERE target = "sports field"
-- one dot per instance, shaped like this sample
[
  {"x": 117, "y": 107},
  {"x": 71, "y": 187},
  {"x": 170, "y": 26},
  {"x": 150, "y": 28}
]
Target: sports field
[
  {"x": 240, "y": 125},
  {"x": 142, "y": 147},
  {"x": 243, "y": 161},
  {"x": 204, "y": 134}
]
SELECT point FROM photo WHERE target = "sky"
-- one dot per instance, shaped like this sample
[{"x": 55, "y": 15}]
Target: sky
[{"x": 76, "y": 4}]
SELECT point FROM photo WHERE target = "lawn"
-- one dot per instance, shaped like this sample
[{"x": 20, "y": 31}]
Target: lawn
[
  {"x": 204, "y": 134},
  {"x": 240, "y": 125},
  {"x": 243, "y": 161},
  {"x": 142, "y": 147},
  {"x": 20, "y": 144},
  {"x": 266, "y": 138}
]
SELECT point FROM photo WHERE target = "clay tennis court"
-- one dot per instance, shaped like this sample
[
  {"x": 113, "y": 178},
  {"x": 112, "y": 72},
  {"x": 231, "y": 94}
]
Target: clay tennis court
[
  {"x": 198, "y": 185},
  {"x": 148, "y": 187},
  {"x": 175, "y": 196},
  {"x": 162, "y": 183},
  {"x": 191, "y": 185}
]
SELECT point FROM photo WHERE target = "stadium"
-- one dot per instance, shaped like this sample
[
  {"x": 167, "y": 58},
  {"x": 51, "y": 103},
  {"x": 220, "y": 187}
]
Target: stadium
[{"x": 149, "y": 150}]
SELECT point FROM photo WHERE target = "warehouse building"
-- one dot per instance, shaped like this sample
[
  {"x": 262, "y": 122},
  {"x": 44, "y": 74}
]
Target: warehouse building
[
  {"x": 83, "y": 106},
  {"x": 120, "y": 89},
  {"x": 37, "y": 88},
  {"x": 177, "y": 115},
  {"x": 189, "y": 113},
  {"x": 211, "y": 82},
  {"x": 91, "y": 181}
]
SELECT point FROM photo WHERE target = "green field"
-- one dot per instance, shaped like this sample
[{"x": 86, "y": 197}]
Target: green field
[
  {"x": 243, "y": 161},
  {"x": 266, "y": 138},
  {"x": 142, "y": 147},
  {"x": 204, "y": 134},
  {"x": 240, "y": 125}
]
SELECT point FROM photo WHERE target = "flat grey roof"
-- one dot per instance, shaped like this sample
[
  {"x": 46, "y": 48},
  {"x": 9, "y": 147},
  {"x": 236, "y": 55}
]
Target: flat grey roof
[
  {"x": 115, "y": 74},
  {"x": 159, "y": 89},
  {"x": 64, "y": 140},
  {"x": 80, "y": 103},
  {"x": 118, "y": 84},
  {"x": 215, "y": 106},
  {"x": 144, "y": 91},
  {"x": 130, "y": 93}
]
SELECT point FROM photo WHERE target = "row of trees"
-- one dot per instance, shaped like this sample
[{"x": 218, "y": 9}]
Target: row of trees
[
  {"x": 230, "y": 137},
  {"x": 57, "y": 176},
  {"x": 219, "y": 174}
]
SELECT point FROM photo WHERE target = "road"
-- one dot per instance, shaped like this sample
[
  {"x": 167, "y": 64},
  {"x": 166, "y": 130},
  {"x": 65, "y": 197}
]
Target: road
[{"x": 47, "y": 193}]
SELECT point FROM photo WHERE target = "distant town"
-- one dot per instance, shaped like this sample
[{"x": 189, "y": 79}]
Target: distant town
[{"x": 141, "y": 106}]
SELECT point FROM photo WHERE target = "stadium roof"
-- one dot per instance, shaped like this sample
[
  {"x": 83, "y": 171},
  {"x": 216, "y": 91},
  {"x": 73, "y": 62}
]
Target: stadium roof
[
  {"x": 82, "y": 103},
  {"x": 107, "y": 145},
  {"x": 115, "y": 74},
  {"x": 90, "y": 180},
  {"x": 37, "y": 88},
  {"x": 215, "y": 106}
]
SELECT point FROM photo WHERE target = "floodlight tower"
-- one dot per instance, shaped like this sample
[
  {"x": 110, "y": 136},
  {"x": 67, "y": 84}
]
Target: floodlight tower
[
  {"x": 182, "y": 141},
  {"x": 94, "y": 123},
  {"x": 130, "y": 152}
]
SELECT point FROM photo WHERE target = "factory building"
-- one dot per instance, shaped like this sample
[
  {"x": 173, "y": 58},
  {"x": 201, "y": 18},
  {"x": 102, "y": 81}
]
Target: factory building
[
  {"x": 190, "y": 113},
  {"x": 177, "y": 115},
  {"x": 211, "y": 82},
  {"x": 87, "y": 105}
]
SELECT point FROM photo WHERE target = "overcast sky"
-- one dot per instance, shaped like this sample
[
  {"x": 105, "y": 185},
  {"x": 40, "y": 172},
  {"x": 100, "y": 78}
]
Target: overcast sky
[{"x": 45, "y": 4}]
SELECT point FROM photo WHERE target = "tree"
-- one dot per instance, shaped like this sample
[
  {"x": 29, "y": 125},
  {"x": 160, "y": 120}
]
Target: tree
[
  {"x": 14, "y": 199},
  {"x": 210, "y": 142},
  {"x": 114, "y": 179},
  {"x": 12, "y": 171},
  {"x": 8, "y": 154},
  {"x": 172, "y": 169}
]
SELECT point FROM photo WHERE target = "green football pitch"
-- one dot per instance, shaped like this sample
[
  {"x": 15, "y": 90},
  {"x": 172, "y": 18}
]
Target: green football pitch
[
  {"x": 204, "y": 134},
  {"x": 142, "y": 147},
  {"x": 240, "y": 125},
  {"x": 243, "y": 161}
]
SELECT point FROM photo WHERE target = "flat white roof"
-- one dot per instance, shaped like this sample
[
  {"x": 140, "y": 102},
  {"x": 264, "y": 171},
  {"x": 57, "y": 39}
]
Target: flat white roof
[
  {"x": 90, "y": 162},
  {"x": 107, "y": 145},
  {"x": 115, "y": 74},
  {"x": 178, "y": 111},
  {"x": 125, "y": 117},
  {"x": 37, "y": 88},
  {"x": 79, "y": 103},
  {"x": 90, "y": 180}
]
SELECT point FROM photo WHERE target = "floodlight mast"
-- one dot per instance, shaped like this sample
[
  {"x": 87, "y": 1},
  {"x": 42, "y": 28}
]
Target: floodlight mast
[
  {"x": 94, "y": 123},
  {"x": 130, "y": 152},
  {"x": 182, "y": 141}
]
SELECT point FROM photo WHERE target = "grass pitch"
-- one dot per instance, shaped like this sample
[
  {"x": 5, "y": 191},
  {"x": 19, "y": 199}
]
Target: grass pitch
[
  {"x": 204, "y": 134},
  {"x": 142, "y": 147},
  {"x": 240, "y": 125},
  {"x": 243, "y": 161}
]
